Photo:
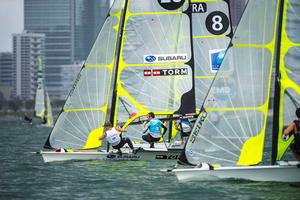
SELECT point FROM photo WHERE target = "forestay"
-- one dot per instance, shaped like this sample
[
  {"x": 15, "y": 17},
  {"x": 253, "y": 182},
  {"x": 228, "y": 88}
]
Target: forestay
[{"x": 231, "y": 127}]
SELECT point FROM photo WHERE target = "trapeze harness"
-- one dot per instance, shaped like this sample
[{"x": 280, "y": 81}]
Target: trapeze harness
[
  {"x": 113, "y": 137},
  {"x": 296, "y": 144}
]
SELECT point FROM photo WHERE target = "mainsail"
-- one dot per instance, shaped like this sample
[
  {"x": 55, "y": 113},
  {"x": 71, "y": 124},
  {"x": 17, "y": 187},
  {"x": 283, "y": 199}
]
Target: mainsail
[
  {"x": 40, "y": 107},
  {"x": 151, "y": 55},
  {"x": 49, "y": 115},
  {"x": 288, "y": 81},
  {"x": 231, "y": 127}
]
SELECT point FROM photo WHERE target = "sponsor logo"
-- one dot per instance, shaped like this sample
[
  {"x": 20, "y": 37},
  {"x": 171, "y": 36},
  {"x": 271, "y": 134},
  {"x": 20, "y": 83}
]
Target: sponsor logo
[
  {"x": 166, "y": 157},
  {"x": 150, "y": 58},
  {"x": 216, "y": 57},
  {"x": 198, "y": 7},
  {"x": 166, "y": 72},
  {"x": 165, "y": 58},
  {"x": 199, "y": 122}
]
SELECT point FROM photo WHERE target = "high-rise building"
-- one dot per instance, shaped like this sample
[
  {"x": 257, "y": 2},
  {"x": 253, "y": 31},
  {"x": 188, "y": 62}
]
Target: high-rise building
[
  {"x": 90, "y": 16},
  {"x": 71, "y": 27},
  {"x": 27, "y": 49},
  {"x": 6, "y": 78},
  {"x": 6, "y": 67}
]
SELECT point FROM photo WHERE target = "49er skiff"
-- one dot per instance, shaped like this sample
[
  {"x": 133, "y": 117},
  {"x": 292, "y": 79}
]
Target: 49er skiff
[
  {"x": 151, "y": 55},
  {"x": 228, "y": 138}
]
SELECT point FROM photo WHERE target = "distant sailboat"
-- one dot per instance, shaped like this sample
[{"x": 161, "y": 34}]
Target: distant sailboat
[
  {"x": 42, "y": 108},
  {"x": 228, "y": 138},
  {"x": 151, "y": 55}
]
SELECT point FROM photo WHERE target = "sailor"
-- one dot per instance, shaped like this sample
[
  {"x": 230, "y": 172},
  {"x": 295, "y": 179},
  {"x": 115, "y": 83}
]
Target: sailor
[
  {"x": 185, "y": 128},
  {"x": 154, "y": 127},
  {"x": 114, "y": 138},
  {"x": 294, "y": 128}
]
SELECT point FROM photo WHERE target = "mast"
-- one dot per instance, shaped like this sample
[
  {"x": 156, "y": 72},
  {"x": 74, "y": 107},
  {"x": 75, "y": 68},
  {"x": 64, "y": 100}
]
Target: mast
[
  {"x": 113, "y": 91},
  {"x": 277, "y": 87},
  {"x": 182, "y": 160}
]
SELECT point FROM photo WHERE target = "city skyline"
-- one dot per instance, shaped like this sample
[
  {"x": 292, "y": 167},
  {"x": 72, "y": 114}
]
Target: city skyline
[{"x": 12, "y": 10}]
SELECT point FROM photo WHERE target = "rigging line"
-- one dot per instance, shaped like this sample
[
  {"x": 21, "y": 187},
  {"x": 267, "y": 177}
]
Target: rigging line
[
  {"x": 122, "y": 101},
  {"x": 294, "y": 101}
]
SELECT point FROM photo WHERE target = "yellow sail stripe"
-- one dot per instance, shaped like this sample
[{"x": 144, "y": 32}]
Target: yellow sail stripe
[
  {"x": 262, "y": 108},
  {"x": 103, "y": 109},
  {"x": 204, "y": 77},
  {"x": 285, "y": 82},
  {"x": 153, "y": 64}
]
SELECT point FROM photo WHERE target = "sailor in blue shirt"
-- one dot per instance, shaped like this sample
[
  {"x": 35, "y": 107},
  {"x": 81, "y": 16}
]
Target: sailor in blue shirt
[{"x": 154, "y": 127}]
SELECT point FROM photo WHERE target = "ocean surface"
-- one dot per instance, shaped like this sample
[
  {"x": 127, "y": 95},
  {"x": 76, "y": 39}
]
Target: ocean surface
[{"x": 24, "y": 175}]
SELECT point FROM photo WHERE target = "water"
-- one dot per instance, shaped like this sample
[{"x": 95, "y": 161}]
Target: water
[{"x": 24, "y": 175}]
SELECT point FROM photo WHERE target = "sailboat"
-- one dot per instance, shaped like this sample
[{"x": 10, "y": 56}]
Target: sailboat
[
  {"x": 228, "y": 138},
  {"x": 42, "y": 109},
  {"x": 149, "y": 56}
]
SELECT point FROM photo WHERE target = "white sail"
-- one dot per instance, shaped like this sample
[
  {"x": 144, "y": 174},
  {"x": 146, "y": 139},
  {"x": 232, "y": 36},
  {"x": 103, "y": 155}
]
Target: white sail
[
  {"x": 79, "y": 125},
  {"x": 289, "y": 74},
  {"x": 49, "y": 115},
  {"x": 40, "y": 107},
  {"x": 143, "y": 60},
  {"x": 233, "y": 131}
]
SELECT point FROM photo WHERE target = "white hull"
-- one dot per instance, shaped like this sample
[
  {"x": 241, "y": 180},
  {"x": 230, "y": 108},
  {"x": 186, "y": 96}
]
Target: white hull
[
  {"x": 277, "y": 173},
  {"x": 143, "y": 154}
]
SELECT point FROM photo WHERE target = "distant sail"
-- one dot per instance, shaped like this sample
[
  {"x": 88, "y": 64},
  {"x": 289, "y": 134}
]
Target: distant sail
[
  {"x": 49, "y": 115},
  {"x": 231, "y": 127},
  {"x": 40, "y": 107}
]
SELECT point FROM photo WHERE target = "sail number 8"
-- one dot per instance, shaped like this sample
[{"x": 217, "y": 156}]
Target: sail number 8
[
  {"x": 217, "y": 23},
  {"x": 171, "y": 4}
]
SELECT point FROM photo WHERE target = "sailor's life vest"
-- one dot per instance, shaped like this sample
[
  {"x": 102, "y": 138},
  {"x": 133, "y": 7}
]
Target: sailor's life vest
[
  {"x": 113, "y": 137},
  {"x": 155, "y": 128},
  {"x": 185, "y": 126}
]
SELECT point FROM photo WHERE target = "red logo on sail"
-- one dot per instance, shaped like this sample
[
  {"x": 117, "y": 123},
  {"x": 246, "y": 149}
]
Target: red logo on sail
[{"x": 147, "y": 72}]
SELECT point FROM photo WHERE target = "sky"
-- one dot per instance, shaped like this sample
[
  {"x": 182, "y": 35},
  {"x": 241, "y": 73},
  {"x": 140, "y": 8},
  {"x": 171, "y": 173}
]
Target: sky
[{"x": 11, "y": 21}]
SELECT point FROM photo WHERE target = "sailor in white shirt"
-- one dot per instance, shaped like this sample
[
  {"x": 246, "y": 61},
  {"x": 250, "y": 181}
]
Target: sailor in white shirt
[{"x": 113, "y": 137}]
